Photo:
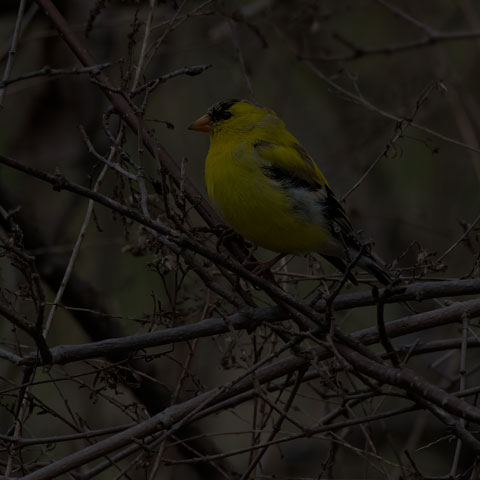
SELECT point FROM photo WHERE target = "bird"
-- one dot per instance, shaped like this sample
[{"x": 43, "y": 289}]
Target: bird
[{"x": 266, "y": 187}]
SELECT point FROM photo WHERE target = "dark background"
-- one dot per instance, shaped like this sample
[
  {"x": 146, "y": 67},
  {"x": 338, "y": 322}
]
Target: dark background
[{"x": 401, "y": 90}]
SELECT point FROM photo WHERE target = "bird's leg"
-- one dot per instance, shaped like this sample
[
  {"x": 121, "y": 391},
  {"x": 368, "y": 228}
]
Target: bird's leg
[
  {"x": 260, "y": 269},
  {"x": 225, "y": 234}
]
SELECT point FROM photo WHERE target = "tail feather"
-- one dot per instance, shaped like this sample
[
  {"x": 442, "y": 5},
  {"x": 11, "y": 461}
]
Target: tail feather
[
  {"x": 367, "y": 262},
  {"x": 340, "y": 264},
  {"x": 374, "y": 267}
]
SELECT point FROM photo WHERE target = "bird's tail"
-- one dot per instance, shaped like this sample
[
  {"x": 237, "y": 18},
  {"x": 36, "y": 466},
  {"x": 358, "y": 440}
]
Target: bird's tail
[
  {"x": 371, "y": 264},
  {"x": 367, "y": 262},
  {"x": 376, "y": 268},
  {"x": 340, "y": 264}
]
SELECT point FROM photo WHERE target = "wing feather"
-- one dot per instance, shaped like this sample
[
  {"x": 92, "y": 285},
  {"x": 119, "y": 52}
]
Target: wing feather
[
  {"x": 292, "y": 168},
  {"x": 291, "y": 159}
]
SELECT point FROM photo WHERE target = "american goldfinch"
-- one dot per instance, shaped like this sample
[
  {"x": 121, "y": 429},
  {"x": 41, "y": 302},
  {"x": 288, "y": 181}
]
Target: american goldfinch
[{"x": 264, "y": 184}]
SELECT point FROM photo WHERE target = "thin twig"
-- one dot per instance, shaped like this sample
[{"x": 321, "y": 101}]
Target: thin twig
[
  {"x": 169, "y": 27},
  {"x": 27, "y": 20},
  {"x": 143, "y": 50},
  {"x": 455, "y": 245},
  {"x": 395, "y": 48},
  {"x": 189, "y": 71},
  {"x": 373, "y": 108},
  {"x": 241, "y": 59},
  {"x": 76, "y": 249},
  {"x": 107, "y": 160},
  {"x": 13, "y": 49},
  {"x": 463, "y": 386},
  {"x": 276, "y": 427},
  {"x": 55, "y": 72}
]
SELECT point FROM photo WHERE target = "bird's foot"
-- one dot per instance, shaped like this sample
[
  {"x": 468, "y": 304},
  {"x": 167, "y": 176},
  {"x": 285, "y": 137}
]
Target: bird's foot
[
  {"x": 225, "y": 234},
  {"x": 263, "y": 269}
]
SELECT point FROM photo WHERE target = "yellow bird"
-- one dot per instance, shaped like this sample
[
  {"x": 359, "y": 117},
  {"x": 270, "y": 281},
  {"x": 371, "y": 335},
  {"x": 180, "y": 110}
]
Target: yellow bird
[{"x": 264, "y": 184}]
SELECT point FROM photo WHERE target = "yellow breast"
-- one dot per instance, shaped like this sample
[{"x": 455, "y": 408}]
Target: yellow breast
[{"x": 254, "y": 206}]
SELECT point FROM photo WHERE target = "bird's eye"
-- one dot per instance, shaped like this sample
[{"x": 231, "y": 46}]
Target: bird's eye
[{"x": 219, "y": 114}]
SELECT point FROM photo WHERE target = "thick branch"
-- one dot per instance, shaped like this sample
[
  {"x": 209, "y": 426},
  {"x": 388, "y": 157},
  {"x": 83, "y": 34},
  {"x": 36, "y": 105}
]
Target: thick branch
[
  {"x": 248, "y": 321},
  {"x": 409, "y": 381},
  {"x": 29, "y": 328}
]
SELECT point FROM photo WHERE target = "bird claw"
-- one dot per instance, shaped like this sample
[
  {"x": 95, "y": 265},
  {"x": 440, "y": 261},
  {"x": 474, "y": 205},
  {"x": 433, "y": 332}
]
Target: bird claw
[
  {"x": 225, "y": 234},
  {"x": 263, "y": 269}
]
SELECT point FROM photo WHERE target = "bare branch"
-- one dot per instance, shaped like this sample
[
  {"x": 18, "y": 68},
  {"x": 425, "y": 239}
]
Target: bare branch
[
  {"x": 56, "y": 72},
  {"x": 13, "y": 49}
]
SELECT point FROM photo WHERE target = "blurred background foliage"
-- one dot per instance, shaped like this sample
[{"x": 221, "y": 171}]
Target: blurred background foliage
[{"x": 416, "y": 202}]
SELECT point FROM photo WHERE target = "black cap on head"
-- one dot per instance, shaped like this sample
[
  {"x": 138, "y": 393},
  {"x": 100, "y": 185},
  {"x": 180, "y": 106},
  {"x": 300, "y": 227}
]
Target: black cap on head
[{"x": 219, "y": 111}]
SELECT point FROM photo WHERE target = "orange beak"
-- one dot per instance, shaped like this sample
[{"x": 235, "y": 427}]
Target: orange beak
[{"x": 203, "y": 124}]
